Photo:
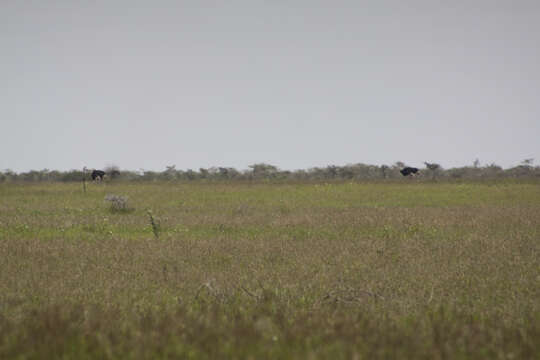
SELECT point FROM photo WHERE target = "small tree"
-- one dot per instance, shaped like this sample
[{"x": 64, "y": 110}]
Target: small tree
[
  {"x": 204, "y": 173},
  {"x": 434, "y": 168},
  {"x": 170, "y": 172},
  {"x": 263, "y": 170},
  {"x": 112, "y": 171},
  {"x": 527, "y": 162}
]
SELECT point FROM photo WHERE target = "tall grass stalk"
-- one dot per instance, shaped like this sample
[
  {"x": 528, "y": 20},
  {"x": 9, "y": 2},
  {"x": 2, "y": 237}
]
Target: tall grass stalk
[{"x": 153, "y": 223}]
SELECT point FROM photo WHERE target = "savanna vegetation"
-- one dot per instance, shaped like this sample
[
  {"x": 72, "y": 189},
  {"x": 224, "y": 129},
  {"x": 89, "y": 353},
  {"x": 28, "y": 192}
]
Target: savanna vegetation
[
  {"x": 266, "y": 270},
  {"x": 267, "y": 172}
]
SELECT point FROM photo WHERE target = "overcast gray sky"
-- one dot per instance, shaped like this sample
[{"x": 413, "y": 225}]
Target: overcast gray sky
[{"x": 297, "y": 84}]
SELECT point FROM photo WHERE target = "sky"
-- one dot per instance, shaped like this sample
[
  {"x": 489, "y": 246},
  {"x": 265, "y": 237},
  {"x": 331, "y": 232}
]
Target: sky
[{"x": 296, "y": 84}]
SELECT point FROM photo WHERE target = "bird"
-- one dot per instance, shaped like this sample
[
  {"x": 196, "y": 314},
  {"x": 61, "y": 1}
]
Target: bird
[{"x": 408, "y": 171}]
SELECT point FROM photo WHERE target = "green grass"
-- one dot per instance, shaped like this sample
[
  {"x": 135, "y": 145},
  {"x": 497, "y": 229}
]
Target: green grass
[{"x": 342, "y": 270}]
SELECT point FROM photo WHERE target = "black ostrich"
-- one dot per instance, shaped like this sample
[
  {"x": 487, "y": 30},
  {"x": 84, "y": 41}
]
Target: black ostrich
[
  {"x": 408, "y": 171},
  {"x": 98, "y": 175}
]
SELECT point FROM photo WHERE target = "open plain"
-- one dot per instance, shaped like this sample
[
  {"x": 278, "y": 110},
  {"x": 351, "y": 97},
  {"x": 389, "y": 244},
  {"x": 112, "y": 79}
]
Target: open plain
[{"x": 397, "y": 269}]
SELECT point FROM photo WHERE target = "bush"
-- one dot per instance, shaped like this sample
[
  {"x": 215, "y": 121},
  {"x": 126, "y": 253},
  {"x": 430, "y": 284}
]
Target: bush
[{"x": 119, "y": 203}]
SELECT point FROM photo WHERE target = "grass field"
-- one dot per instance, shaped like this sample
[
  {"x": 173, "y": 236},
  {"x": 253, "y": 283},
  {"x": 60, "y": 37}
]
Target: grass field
[{"x": 270, "y": 271}]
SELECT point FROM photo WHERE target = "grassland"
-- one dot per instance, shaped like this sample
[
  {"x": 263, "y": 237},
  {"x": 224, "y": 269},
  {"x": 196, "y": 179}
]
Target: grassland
[{"x": 270, "y": 271}]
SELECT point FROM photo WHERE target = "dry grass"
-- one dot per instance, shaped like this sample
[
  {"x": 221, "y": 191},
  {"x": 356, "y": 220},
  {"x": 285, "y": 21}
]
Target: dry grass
[{"x": 271, "y": 271}]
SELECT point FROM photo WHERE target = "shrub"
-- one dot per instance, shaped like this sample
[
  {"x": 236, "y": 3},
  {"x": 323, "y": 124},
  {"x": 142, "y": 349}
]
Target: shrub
[{"x": 119, "y": 203}]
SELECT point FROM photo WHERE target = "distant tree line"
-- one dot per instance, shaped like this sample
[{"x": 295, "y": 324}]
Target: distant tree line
[{"x": 269, "y": 172}]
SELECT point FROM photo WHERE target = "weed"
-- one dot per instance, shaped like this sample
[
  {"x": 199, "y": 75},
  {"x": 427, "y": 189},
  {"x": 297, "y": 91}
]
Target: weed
[{"x": 154, "y": 223}]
